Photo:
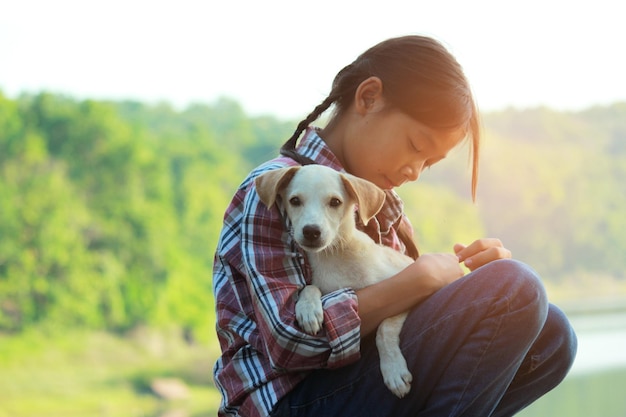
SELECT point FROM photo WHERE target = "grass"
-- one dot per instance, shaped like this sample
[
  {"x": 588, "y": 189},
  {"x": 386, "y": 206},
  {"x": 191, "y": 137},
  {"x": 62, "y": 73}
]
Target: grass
[
  {"x": 584, "y": 395},
  {"x": 98, "y": 374},
  {"x": 102, "y": 375}
]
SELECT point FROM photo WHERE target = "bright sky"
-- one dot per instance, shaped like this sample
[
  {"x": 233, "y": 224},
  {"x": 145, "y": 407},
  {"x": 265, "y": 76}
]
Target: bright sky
[{"x": 279, "y": 56}]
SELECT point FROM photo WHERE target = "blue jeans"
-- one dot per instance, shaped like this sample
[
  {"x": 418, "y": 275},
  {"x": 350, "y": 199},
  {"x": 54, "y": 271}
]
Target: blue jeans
[{"x": 488, "y": 344}]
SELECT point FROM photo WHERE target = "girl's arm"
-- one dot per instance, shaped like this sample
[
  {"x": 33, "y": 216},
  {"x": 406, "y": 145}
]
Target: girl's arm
[
  {"x": 415, "y": 283},
  {"x": 275, "y": 272},
  {"x": 425, "y": 276}
]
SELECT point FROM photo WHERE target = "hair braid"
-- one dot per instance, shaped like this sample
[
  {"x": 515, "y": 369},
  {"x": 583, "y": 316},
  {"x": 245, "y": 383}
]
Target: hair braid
[
  {"x": 343, "y": 88},
  {"x": 289, "y": 147}
]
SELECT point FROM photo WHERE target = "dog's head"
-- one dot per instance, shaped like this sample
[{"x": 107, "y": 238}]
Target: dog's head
[{"x": 320, "y": 202}]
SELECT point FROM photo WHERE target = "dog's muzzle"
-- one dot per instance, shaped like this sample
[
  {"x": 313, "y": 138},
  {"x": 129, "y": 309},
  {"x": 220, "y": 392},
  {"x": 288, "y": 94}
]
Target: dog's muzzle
[{"x": 311, "y": 236}]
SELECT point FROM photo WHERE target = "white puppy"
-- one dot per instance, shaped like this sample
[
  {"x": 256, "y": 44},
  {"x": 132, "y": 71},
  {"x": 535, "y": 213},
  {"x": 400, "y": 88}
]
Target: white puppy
[{"x": 320, "y": 203}]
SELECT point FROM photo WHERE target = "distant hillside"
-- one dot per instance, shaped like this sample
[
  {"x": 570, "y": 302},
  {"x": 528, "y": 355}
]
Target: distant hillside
[
  {"x": 553, "y": 187},
  {"x": 110, "y": 211}
]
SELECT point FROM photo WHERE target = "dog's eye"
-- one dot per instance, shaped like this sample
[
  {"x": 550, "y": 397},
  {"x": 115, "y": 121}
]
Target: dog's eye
[
  {"x": 335, "y": 202},
  {"x": 295, "y": 201}
]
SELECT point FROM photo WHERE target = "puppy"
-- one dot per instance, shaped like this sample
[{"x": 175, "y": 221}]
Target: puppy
[{"x": 320, "y": 203}]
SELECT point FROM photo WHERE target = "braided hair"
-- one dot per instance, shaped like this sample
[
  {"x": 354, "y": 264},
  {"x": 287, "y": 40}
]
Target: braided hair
[
  {"x": 420, "y": 78},
  {"x": 289, "y": 147},
  {"x": 343, "y": 89}
]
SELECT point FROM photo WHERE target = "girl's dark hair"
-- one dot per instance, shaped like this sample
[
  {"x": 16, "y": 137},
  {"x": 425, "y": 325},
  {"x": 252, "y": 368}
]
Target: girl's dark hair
[{"x": 420, "y": 78}]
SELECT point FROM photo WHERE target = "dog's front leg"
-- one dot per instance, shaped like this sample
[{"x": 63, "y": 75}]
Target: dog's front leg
[
  {"x": 392, "y": 363},
  {"x": 309, "y": 311}
]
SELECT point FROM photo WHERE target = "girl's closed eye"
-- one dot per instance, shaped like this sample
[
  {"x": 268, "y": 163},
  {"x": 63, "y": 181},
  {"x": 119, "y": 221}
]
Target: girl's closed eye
[
  {"x": 414, "y": 147},
  {"x": 432, "y": 162}
]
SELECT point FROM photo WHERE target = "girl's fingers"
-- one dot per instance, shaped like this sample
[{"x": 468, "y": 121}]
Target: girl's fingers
[
  {"x": 458, "y": 248},
  {"x": 488, "y": 255},
  {"x": 476, "y": 247},
  {"x": 481, "y": 252}
]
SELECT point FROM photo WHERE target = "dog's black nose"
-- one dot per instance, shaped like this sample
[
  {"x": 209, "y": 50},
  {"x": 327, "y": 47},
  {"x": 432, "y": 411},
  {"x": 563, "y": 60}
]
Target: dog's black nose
[{"x": 311, "y": 232}]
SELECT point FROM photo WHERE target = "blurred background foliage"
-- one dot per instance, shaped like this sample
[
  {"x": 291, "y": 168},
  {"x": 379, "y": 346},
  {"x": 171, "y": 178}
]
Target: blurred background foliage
[{"x": 110, "y": 211}]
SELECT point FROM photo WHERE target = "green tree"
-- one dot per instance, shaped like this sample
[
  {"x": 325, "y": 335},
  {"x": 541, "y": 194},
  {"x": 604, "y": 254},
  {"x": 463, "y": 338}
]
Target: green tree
[{"x": 440, "y": 218}]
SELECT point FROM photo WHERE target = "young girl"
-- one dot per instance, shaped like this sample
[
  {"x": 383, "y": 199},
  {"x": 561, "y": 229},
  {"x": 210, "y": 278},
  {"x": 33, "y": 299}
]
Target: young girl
[{"x": 484, "y": 344}]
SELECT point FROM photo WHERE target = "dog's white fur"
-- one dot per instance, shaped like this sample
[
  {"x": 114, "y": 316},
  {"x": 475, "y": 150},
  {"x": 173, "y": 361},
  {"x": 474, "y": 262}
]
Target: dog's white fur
[{"x": 320, "y": 202}]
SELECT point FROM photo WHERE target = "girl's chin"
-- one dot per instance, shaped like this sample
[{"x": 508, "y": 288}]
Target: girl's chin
[
  {"x": 387, "y": 184},
  {"x": 383, "y": 183}
]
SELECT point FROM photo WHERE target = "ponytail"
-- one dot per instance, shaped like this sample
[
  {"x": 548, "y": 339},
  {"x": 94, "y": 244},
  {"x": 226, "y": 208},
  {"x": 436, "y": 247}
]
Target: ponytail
[{"x": 405, "y": 234}]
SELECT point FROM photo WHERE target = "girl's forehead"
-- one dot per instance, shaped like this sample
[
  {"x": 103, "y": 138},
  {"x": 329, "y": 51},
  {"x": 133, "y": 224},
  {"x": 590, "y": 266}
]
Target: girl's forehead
[{"x": 452, "y": 137}]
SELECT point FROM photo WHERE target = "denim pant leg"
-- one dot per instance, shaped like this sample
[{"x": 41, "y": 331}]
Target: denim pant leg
[
  {"x": 463, "y": 345},
  {"x": 545, "y": 366}
]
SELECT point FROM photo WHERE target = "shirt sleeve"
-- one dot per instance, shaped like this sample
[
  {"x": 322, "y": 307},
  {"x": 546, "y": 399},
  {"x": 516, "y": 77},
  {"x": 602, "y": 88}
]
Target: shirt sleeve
[{"x": 276, "y": 273}]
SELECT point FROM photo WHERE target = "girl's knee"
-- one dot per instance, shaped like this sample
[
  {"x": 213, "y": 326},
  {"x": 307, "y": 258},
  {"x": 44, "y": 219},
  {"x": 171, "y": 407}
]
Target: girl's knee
[
  {"x": 525, "y": 288},
  {"x": 520, "y": 288},
  {"x": 518, "y": 281},
  {"x": 562, "y": 337}
]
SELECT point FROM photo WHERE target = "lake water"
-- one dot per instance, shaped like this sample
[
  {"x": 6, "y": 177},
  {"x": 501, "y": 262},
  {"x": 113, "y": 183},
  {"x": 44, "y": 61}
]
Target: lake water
[
  {"x": 595, "y": 385},
  {"x": 601, "y": 342}
]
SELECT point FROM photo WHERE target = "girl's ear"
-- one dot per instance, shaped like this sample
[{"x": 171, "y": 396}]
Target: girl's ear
[
  {"x": 368, "y": 196},
  {"x": 369, "y": 95},
  {"x": 271, "y": 183}
]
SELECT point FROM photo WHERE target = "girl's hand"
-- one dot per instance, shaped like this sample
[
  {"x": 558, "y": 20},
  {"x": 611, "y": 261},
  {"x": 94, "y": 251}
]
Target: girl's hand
[
  {"x": 441, "y": 268},
  {"x": 481, "y": 252}
]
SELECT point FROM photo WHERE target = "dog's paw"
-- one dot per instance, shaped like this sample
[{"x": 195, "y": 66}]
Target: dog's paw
[
  {"x": 397, "y": 378},
  {"x": 309, "y": 310},
  {"x": 310, "y": 316}
]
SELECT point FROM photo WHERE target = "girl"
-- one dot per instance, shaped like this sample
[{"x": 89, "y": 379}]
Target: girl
[{"x": 484, "y": 344}]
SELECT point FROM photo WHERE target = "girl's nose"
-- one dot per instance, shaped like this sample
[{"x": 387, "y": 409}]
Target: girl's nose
[{"x": 412, "y": 172}]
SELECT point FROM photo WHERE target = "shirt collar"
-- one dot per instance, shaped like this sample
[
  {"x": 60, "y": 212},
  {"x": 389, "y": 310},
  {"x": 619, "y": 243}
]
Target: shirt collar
[{"x": 313, "y": 146}]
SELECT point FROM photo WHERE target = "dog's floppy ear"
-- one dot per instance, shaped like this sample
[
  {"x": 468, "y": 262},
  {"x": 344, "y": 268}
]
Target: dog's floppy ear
[
  {"x": 369, "y": 197},
  {"x": 271, "y": 183}
]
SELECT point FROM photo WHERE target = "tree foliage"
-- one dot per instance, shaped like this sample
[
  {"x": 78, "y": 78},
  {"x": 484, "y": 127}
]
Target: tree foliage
[
  {"x": 110, "y": 211},
  {"x": 553, "y": 188}
]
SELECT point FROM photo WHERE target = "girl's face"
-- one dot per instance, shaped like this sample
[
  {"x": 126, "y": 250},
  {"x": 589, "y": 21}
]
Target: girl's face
[{"x": 389, "y": 148}]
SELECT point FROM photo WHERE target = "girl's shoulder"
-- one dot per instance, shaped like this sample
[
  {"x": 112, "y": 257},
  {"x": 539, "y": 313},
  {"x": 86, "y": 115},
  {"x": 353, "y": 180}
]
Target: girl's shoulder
[
  {"x": 246, "y": 202},
  {"x": 276, "y": 163}
]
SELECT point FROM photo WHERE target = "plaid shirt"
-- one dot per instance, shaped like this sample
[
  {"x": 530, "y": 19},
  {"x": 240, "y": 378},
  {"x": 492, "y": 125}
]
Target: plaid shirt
[{"x": 257, "y": 275}]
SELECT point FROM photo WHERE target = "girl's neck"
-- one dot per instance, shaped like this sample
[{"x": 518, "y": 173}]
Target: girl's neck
[{"x": 333, "y": 135}]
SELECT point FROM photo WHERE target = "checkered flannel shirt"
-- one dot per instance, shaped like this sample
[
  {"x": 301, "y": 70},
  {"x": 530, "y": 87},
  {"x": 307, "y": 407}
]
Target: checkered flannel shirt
[{"x": 257, "y": 275}]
